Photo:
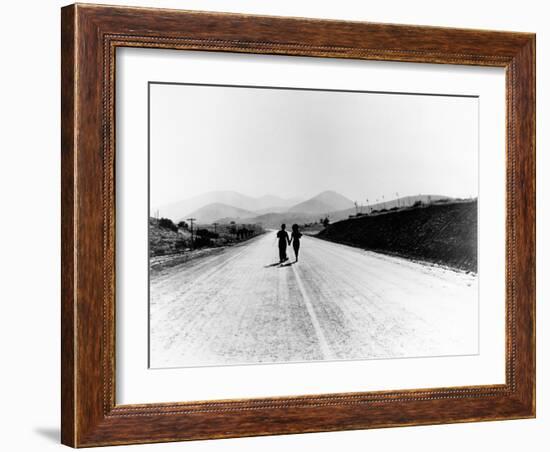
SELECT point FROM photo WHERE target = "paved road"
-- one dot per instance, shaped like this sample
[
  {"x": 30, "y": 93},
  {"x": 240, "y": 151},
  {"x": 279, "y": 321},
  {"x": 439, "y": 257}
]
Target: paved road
[{"x": 337, "y": 302}]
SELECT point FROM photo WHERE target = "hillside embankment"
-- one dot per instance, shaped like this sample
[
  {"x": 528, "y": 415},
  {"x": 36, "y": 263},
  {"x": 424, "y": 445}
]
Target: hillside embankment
[{"x": 444, "y": 234}]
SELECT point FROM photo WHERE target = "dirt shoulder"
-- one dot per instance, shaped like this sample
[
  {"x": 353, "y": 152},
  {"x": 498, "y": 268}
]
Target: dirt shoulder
[{"x": 159, "y": 263}]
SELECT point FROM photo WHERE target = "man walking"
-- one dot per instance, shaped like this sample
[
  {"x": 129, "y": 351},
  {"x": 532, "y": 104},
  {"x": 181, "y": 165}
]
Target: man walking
[{"x": 284, "y": 240}]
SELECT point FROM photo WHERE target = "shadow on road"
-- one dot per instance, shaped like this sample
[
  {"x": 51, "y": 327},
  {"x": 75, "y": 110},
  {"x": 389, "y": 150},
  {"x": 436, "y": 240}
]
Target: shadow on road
[{"x": 278, "y": 264}]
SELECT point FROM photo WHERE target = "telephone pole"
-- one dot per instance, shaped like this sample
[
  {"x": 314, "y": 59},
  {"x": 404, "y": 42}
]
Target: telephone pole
[
  {"x": 191, "y": 220},
  {"x": 215, "y": 226}
]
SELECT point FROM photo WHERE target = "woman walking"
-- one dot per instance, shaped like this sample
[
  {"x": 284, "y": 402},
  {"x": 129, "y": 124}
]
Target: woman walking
[{"x": 295, "y": 240}]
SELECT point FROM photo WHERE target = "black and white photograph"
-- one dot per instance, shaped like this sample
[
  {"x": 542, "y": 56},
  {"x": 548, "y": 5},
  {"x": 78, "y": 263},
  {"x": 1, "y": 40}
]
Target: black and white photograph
[{"x": 295, "y": 225}]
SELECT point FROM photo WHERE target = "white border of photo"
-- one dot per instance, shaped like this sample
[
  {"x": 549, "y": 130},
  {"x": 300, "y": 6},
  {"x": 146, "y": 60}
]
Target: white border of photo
[{"x": 136, "y": 383}]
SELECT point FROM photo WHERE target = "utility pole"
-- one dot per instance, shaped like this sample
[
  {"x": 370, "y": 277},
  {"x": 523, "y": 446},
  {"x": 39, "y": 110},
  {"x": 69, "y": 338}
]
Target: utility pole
[
  {"x": 215, "y": 225},
  {"x": 397, "y": 197},
  {"x": 191, "y": 220}
]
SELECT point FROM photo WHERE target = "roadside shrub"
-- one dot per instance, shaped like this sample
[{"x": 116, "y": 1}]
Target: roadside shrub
[
  {"x": 166, "y": 223},
  {"x": 207, "y": 234},
  {"x": 201, "y": 242}
]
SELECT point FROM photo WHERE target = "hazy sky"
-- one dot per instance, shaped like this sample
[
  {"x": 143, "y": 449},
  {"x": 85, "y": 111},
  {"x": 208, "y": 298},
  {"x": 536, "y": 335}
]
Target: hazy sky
[{"x": 296, "y": 143}]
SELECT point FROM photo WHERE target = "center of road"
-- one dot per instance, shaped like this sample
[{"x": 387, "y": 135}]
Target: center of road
[{"x": 321, "y": 340}]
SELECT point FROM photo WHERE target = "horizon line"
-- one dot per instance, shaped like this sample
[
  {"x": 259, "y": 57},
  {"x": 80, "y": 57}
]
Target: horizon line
[{"x": 359, "y": 204}]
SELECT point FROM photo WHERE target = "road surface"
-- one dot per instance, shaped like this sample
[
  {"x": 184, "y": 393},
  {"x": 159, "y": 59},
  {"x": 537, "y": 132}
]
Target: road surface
[{"x": 336, "y": 303}]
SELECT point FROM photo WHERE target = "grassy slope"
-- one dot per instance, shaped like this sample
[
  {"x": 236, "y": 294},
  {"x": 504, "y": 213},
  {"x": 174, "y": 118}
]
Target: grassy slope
[
  {"x": 441, "y": 233},
  {"x": 162, "y": 240}
]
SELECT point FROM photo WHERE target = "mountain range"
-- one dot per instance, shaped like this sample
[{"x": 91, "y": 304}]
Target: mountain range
[
  {"x": 212, "y": 213},
  {"x": 189, "y": 207},
  {"x": 305, "y": 211},
  {"x": 271, "y": 211},
  {"x": 324, "y": 202}
]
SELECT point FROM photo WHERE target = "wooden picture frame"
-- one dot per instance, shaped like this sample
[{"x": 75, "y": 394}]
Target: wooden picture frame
[{"x": 90, "y": 35}]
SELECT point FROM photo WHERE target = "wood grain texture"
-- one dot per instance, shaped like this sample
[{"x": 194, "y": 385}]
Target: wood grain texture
[
  {"x": 67, "y": 226},
  {"x": 90, "y": 36}
]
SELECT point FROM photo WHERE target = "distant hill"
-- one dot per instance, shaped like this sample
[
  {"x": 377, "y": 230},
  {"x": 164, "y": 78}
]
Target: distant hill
[
  {"x": 263, "y": 204},
  {"x": 213, "y": 212},
  {"x": 271, "y": 211},
  {"x": 405, "y": 201},
  {"x": 327, "y": 201},
  {"x": 274, "y": 219},
  {"x": 268, "y": 201}
]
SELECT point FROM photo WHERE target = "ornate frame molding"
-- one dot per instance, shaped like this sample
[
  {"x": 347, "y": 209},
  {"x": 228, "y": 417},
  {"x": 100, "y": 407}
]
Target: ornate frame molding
[{"x": 90, "y": 37}]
